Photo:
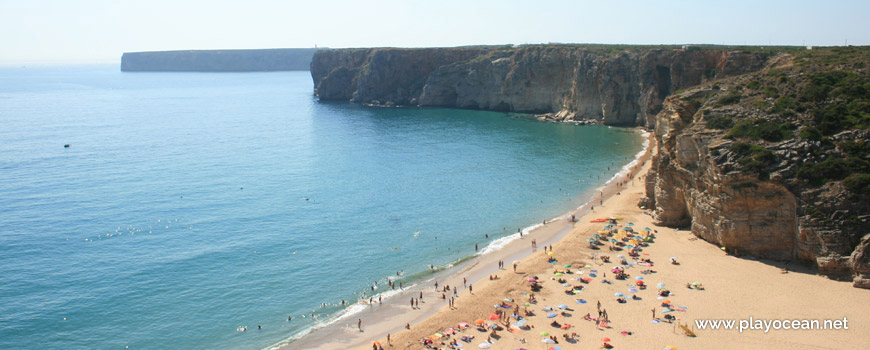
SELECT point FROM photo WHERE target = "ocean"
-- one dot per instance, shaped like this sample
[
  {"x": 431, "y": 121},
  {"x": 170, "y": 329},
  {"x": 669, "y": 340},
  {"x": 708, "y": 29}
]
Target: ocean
[{"x": 188, "y": 205}]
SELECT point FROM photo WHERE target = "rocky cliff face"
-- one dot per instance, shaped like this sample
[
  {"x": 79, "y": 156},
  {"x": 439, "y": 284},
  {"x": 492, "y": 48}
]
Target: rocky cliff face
[
  {"x": 610, "y": 85},
  {"x": 765, "y": 153},
  {"x": 773, "y": 164}
]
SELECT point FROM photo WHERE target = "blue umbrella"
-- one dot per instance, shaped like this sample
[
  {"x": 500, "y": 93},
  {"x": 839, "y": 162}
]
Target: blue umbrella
[
  {"x": 629, "y": 224},
  {"x": 581, "y": 301},
  {"x": 591, "y": 240},
  {"x": 552, "y": 315},
  {"x": 639, "y": 278},
  {"x": 632, "y": 290},
  {"x": 563, "y": 306},
  {"x": 618, "y": 294},
  {"x": 646, "y": 229}
]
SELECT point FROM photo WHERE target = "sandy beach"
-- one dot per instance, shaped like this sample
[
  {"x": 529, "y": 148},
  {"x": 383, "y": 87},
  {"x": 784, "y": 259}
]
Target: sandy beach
[{"x": 734, "y": 288}]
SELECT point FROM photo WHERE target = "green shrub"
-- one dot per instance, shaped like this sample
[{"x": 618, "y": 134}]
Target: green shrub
[
  {"x": 770, "y": 91},
  {"x": 821, "y": 172},
  {"x": 729, "y": 99},
  {"x": 811, "y": 133},
  {"x": 754, "y": 85},
  {"x": 720, "y": 123},
  {"x": 857, "y": 149},
  {"x": 858, "y": 183},
  {"x": 782, "y": 105}
]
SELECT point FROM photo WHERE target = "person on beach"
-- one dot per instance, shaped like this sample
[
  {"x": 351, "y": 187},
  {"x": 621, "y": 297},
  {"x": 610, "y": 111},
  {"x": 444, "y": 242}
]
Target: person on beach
[
  {"x": 515, "y": 267},
  {"x": 359, "y": 324},
  {"x": 654, "y": 313},
  {"x": 470, "y": 289}
]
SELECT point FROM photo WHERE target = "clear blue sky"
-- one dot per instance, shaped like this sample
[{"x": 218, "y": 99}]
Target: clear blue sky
[{"x": 101, "y": 30}]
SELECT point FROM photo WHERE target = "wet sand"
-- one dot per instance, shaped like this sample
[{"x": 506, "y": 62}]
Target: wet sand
[
  {"x": 394, "y": 313},
  {"x": 734, "y": 288}
]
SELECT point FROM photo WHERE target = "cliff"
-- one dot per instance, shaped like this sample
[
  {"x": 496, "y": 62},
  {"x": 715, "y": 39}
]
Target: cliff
[
  {"x": 609, "y": 84},
  {"x": 773, "y": 163},
  {"x": 763, "y": 152},
  {"x": 217, "y": 60}
]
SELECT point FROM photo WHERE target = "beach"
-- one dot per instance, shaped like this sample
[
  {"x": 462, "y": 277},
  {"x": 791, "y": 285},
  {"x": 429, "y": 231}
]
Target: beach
[
  {"x": 734, "y": 288},
  {"x": 742, "y": 288}
]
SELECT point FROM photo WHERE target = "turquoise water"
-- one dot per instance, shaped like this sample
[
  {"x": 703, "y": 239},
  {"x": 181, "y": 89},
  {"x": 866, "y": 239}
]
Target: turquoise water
[{"x": 189, "y": 204}]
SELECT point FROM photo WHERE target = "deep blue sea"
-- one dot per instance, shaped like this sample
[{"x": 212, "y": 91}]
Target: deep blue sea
[{"x": 189, "y": 204}]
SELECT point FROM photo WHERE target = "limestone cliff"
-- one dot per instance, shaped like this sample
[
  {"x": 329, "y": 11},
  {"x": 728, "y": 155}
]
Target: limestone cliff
[
  {"x": 217, "y": 60},
  {"x": 765, "y": 152},
  {"x": 613, "y": 85},
  {"x": 773, "y": 163}
]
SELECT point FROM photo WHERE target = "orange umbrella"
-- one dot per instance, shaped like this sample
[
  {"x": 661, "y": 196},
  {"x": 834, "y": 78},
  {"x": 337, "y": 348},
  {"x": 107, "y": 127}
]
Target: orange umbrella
[
  {"x": 493, "y": 317},
  {"x": 666, "y": 301},
  {"x": 478, "y": 322}
]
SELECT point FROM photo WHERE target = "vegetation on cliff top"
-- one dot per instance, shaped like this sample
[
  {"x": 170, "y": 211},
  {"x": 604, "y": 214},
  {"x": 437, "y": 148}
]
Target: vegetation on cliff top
[{"x": 811, "y": 113}]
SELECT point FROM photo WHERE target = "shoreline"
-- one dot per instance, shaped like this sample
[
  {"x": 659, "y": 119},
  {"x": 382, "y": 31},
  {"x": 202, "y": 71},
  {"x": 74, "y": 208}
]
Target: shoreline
[
  {"x": 735, "y": 288},
  {"x": 390, "y": 317}
]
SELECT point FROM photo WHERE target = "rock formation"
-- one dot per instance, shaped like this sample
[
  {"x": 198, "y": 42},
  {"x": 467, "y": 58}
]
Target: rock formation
[
  {"x": 755, "y": 164},
  {"x": 217, "y": 60},
  {"x": 612, "y": 85},
  {"x": 764, "y": 152}
]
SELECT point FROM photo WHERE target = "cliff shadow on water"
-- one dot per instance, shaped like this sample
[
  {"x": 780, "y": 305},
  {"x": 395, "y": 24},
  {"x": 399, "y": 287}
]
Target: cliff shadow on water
[{"x": 760, "y": 150}]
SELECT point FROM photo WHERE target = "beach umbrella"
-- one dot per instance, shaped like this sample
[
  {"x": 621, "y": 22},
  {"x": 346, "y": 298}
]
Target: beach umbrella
[
  {"x": 596, "y": 235},
  {"x": 479, "y": 321},
  {"x": 552, "y": 315},
  {"x": 613, "y": 240},
  {"x": 548, "y": 341},
  {"x": 563, "y": 306},
  {"x": 559, "y": 274},
  {"x": 550, "y": 253},
  {"x": 545, "y": 334},
  {"x": 695, "y": 283},
  {"x": 646, "y": 229},
  {"x": 629, "y": 246},
  {"x": 590, "y": 240},
  {"x": 531, "y": 279},
  {"x": 527, "y": 304},
  {"x": 632, "y": 290},
  {"x": 492, "y": 326},
  {"x": 661, "y": 285},
  {"x": 581, "y": 301},
  {"x": 639, "y": 278},
  {"x": 521, "y": 323},
  {"x": 547, "y": 308},
  {"x": 605, "y": 339},
  {"x": 669, "y": 347},
  {"x": 666, "y": 301},
  {"x": 493, "y": 317},
  {"x": 629, "y": 224},
  {"x": 463, "y": 324},
  {"x": 673, "y": 258},
  {"x": 567, "y": 266},
  {"x": 640, "y": 283},
  {"x": 484, "y": 346},
  {"x": 618, "y": 294},
  {"x": 620, "y": 256},
  {"x": 437, "y": 335}
]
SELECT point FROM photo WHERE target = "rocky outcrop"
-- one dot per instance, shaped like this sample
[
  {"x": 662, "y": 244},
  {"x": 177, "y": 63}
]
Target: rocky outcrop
[
  {"x": 611, "y": 85},
  {"x": 217, "y": 60},
  {"x": 742, "y": 163}
]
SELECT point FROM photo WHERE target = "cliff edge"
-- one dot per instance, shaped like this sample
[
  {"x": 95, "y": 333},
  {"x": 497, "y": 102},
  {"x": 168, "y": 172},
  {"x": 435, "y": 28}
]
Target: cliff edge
[
  {"x": 612, "y": 85},
  {"x": 774, "y": 163}
]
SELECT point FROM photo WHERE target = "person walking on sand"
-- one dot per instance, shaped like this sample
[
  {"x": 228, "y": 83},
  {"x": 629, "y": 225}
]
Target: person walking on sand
[
  {"x": 359, "y": 325},
  {"x": 515, "y": 267},
  {"x": 470, "y": 289},
  {"x": 654, "y": 313}
]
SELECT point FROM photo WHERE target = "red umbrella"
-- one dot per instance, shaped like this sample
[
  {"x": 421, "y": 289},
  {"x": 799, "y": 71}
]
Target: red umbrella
[
  {"x": 605, "y": 339},
  {"x": 493, "y": 317}
]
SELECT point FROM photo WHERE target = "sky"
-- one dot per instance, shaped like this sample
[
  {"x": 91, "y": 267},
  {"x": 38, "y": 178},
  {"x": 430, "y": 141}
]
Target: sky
[{"x": 101, "y": 30}]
